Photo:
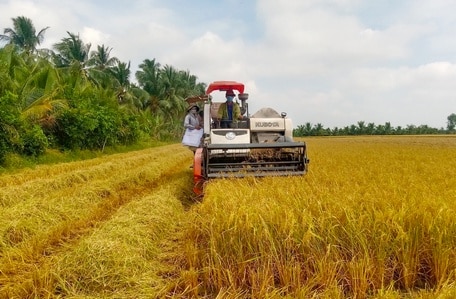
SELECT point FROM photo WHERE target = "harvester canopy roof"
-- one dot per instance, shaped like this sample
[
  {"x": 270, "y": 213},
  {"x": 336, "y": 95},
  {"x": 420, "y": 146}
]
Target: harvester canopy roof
[{"x": 224, "y": 86}]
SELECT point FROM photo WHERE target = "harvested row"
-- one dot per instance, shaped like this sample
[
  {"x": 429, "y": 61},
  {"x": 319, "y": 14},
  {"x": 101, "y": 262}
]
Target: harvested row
[
  {"x": 36, "y": 227},
  {"x": 51, "y": 178},
  {"x": 131, "y": 255}
]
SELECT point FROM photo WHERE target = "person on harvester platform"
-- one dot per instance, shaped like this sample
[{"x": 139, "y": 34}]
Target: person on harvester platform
[{"x": 229, "y": 112}]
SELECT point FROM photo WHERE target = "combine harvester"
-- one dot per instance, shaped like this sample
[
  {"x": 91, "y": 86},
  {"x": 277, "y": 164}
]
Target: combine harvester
[{"x": 257, "y": 145}]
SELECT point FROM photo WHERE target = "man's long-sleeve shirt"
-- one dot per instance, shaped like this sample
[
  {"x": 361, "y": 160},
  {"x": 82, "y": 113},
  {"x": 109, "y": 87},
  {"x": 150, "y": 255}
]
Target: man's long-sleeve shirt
[{"x": 224, "y": 114}]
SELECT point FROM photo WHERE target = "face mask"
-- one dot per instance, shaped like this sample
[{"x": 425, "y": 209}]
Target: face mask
[{"x": 229, "y": 98}]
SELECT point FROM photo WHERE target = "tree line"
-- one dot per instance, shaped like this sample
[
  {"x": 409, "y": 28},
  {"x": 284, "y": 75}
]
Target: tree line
[
  {"x": 75, "y": 97},
  {"x": 361, "y": 128}
]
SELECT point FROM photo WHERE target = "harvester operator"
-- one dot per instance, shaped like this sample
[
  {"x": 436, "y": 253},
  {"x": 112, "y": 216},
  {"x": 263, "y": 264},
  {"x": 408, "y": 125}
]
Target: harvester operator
[{"x": 229, "y": 112}]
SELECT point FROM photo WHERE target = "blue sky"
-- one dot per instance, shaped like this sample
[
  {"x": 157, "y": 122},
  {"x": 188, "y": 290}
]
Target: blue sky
[{"x": 334, "y": 62}]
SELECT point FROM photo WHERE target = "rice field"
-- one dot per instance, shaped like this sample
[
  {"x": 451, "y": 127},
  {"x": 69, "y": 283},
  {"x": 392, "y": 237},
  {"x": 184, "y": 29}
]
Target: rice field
[{"x": 374, "y": 218}]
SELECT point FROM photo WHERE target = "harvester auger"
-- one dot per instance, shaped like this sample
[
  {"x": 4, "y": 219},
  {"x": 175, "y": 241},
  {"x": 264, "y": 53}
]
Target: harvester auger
[{"x": 257, "y": 145}]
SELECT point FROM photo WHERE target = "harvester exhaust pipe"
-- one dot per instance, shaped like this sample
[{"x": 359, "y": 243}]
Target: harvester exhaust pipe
[{"x": 243, "y": 97}]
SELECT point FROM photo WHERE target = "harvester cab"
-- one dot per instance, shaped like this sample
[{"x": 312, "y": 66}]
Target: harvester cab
[{"x": 258, "y": 145}]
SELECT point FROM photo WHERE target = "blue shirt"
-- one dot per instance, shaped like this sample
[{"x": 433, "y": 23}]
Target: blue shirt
[{"x": 229, "y": 108}]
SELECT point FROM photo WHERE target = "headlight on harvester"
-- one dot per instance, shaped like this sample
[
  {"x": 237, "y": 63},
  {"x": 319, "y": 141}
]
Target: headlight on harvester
[{"x": 230, "y": 135}]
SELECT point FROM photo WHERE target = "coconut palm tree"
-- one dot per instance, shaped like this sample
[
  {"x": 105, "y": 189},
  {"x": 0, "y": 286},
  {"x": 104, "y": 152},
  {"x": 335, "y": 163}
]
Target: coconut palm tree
[
  {"x": 148, "y": 80},
  {"x": 100, "y": 65},
  {"x": 7, "y": 55},
  {"x": 70, "y": 50},
  {"x": 318, "y": 130},
  {"x": 304, "y": 130},
  {"x": 192, "y": 87},
  {"x": 120, "y": 74},
  {"x": 171, "y": 91},
  {"x": 175, "y": 86},
  {"x": 101, "y": 58},
  {"x": 148, "y": 76},
  {"x": 34, "y": 82},
  {"x": 23, "y": 34},
  {"x": 72, "y": 55}
]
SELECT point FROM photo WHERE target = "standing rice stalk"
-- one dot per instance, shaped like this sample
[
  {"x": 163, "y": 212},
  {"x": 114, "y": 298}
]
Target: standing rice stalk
[{"x": 373, "y": 214}]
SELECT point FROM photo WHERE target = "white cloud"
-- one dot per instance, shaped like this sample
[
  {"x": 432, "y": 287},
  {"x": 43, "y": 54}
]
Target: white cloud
[{"x": 94, "y": 37}]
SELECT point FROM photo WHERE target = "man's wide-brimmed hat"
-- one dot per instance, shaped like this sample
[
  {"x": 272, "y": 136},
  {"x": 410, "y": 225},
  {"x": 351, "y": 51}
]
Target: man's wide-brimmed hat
[{"x": 193, "y": 106}]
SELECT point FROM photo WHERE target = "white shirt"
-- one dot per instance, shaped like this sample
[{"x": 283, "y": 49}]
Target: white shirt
[{"x": 191, "y": 121}]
